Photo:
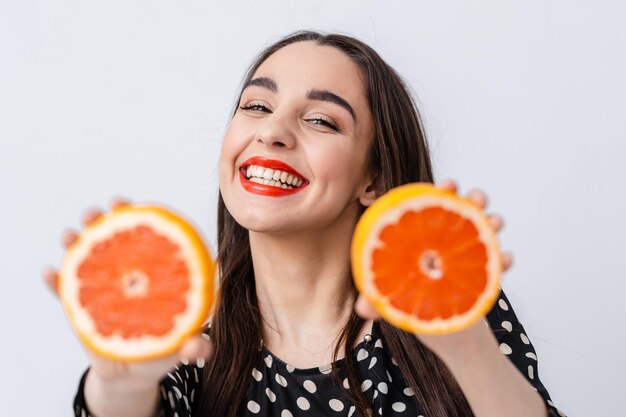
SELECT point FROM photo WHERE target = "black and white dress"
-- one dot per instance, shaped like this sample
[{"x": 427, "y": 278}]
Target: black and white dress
[{"x": 277, "y": 389}]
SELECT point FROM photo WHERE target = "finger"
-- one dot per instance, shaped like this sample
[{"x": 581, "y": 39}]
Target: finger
[
  {"x": 507, "y": 260},
  {"x": 195, "y": 348},
  {"x": 448, "y": 185},
  {"x": 477, "y": 197},
  {"x": 69, "y": 237},
  {"x": 91, "y": 216},
  {"x": 51, "y": 278},
  {"x": 365, "y": 309},
  {"x": 496, "y": 222},
  {"x": 118, "y": 202}
]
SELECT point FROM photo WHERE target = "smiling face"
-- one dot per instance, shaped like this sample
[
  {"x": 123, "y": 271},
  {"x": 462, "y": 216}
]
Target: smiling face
[{"x": 294, "y": 157}]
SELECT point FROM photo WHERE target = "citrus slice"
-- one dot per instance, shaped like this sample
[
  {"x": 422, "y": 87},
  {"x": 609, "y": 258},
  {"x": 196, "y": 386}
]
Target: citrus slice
[
  {"x": 427, "y": 259},
  {"x": 136, "y": 283}
]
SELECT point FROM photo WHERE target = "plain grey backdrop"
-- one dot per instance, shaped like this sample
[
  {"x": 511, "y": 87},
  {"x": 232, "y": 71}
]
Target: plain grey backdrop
[{"x": 523, "y": 99}]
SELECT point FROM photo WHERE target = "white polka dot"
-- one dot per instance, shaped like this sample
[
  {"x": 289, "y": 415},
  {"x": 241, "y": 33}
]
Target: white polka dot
[
  {"x": 366, "y": 385},
  {"x": 281, "y": 380},
  {"x": 362, "y": 355},
  {"x": 408, "y": 392},
  {"x": 399, "y": 406},
  {"x": 352, "y": 408},
  {"x": 303, "y": 403},
  {"x": 326, "y": 369},
  {"x": 389, "y": 376},
  {"x": 200, "y": 362},
  {"x": 286, "y": 413},
  {"x": 270, "y": 394},
  {"x": 184, "y": 361},
  {"x": 394, "y": 361},
  {"x": 254, "y": 407},
  {"x": 372, "y": 362},
  {"x": 524, "y": 339},
  {"x": 309, "y": 386},
  {"x": 507, "y": 325},
  {"x": 336, "y": 405},
  {"x": 382, "y": 387},
  {"x": 531, "y": 372},
  {"x": 290, "y": 368},
  {"x": 531, "y": 355},
  {"x": 268, "y": 361},
  {"x": 506, "y": 349},
  {"x": 561, "y": 413},
  {"x": 503, "y": 305},
  {"x": 256, "y": 374},
  {"x": 346, "y": 384},
  {"x": 375, "y": 394},
  {"x": 206, "y": 336},
  {"x": 378, "y": 344},
  {"x": 380, "y": 411},
  {"x": 177, "y": 392}
]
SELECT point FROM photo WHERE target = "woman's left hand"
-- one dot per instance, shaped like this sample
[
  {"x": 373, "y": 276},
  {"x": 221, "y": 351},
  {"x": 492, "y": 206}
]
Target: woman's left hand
[{"x": 448, "y": 344}]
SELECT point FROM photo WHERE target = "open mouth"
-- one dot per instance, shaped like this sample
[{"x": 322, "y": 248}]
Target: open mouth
[
  {"x": 270, "y": 177},
  {"x": 273, "y": 177}
]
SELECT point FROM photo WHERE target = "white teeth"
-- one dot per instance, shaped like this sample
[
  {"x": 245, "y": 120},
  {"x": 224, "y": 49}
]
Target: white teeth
[{"x": 275, "y": 178}]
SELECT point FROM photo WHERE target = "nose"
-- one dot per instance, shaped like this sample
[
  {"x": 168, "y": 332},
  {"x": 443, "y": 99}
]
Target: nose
[{"x": 276, "y": 132}]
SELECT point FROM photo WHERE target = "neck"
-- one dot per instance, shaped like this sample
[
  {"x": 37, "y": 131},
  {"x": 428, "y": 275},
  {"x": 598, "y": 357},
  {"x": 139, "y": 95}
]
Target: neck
[{"x": 304, "y": 289}]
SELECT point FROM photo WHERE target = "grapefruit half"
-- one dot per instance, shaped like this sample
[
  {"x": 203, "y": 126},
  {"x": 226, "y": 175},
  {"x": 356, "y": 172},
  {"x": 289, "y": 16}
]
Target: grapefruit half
[
  {"x": 137, "y": 282},
  {"x": 427, "y": 259}
]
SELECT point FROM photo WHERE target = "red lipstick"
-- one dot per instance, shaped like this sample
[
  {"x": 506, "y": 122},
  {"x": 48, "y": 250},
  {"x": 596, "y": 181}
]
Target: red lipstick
[{"x": 269, "y": 190}]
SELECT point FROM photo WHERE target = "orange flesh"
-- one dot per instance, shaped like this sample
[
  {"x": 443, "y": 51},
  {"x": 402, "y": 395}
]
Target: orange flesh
[
  {"x": 133, "y": 284},
  {"x": 447, "y": 287}
]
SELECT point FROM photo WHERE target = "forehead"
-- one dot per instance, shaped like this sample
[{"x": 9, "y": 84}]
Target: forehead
[{"x": 305, "y": 65}]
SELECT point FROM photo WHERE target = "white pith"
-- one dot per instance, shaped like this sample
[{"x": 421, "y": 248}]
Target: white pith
[
  {"x": 392, "y": 216},
  {"x": 273, "y": 177},
  {"x": 70, "y": 285}
]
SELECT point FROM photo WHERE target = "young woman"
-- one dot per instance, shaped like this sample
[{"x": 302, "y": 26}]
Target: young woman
[{"x": 285, "y": 339}]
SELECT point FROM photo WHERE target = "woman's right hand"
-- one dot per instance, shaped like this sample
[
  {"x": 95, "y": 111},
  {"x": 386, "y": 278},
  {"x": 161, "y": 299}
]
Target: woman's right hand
[{"x": 108, "y": 377}]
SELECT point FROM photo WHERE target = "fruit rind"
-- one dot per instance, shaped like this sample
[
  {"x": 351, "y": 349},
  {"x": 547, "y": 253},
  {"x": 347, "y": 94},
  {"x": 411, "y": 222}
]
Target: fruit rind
[
  {"x": 199, "y": 298},
  {"x": 387, "y": 209}
]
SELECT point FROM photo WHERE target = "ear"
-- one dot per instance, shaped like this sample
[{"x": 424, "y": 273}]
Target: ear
[{"x": 372, "y": 191}]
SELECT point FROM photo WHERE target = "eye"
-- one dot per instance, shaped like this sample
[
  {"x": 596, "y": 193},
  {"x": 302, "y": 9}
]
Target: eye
[
  {"x": 324, "y": 122},
  {"x": 255, "y": 107}
]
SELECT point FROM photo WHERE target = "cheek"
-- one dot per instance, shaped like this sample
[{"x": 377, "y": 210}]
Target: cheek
[
  {"x": 232, "y": 146},
  {"x": 337, "y": 166}
]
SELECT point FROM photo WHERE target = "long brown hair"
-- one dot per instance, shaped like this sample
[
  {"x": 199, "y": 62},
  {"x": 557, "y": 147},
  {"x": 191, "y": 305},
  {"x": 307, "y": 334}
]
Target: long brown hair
[{"x": 398, "y": 155}]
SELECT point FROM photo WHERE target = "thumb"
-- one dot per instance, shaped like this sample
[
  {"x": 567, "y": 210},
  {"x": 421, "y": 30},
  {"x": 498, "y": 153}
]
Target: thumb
[
  {"x": 196, "y": 349},
  {"x": 365, "y": 309}
]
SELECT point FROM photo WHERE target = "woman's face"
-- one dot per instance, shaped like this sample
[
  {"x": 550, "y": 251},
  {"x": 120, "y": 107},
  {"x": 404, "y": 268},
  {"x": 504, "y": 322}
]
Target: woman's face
[{"x": 294, "y": 157}]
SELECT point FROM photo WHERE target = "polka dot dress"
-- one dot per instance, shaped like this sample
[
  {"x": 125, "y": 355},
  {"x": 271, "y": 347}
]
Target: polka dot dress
[{"x": 276, "y": 389}]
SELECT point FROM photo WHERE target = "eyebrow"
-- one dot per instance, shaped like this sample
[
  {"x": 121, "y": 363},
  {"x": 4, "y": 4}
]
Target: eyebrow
[
  {"x": 314, "y": 94},
  {"x": 325, "y": 95},
  {"x": 264, "y": 82}
]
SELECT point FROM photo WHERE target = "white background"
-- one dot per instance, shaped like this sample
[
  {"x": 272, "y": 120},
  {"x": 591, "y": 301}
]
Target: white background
[{"x": 523, "y": 99}]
